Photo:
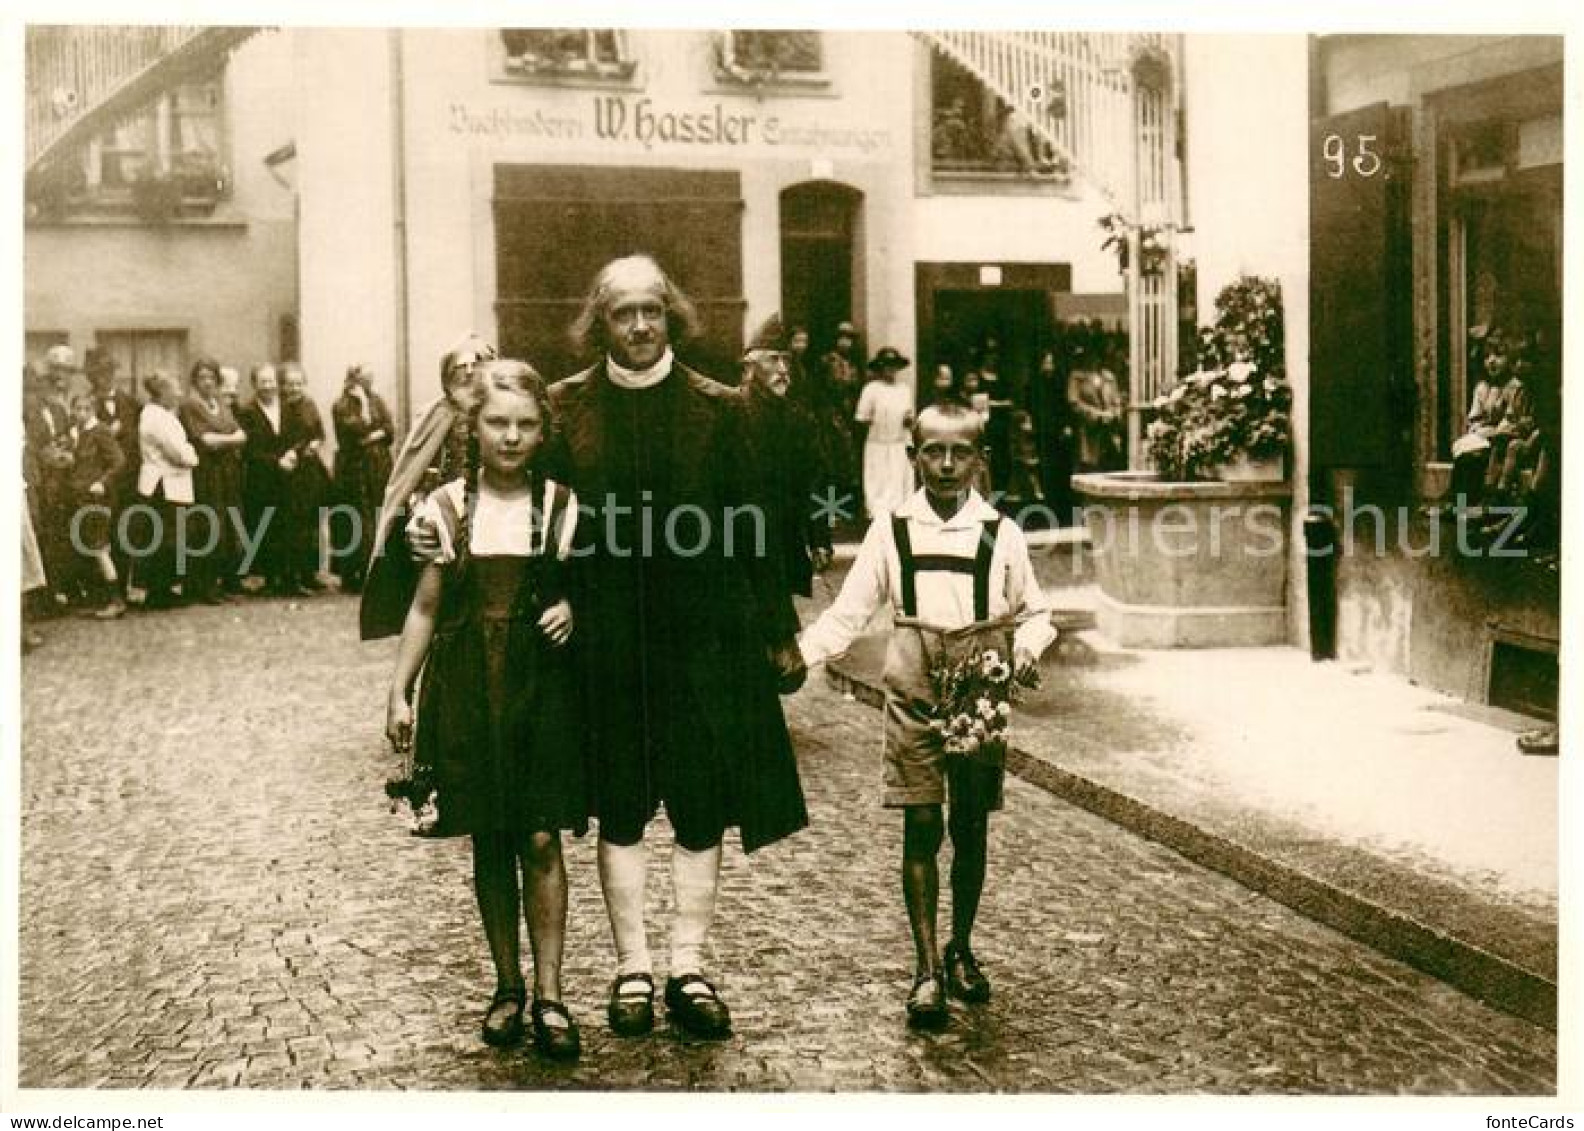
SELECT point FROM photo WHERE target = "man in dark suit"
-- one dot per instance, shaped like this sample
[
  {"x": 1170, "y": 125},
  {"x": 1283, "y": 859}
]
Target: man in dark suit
[
  {"x": 685, "y": 624},
  {"x": 117, "y": 412},
  {"x": 787, "y": 457}
]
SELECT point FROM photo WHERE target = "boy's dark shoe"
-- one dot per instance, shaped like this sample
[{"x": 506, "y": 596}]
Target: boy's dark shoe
[
  {"x": 926, "y": 1005},
  {"x": 963, "y": 977},
  {"x": 631, "y": 1008},
  {"x": 701, "y": 1012}
]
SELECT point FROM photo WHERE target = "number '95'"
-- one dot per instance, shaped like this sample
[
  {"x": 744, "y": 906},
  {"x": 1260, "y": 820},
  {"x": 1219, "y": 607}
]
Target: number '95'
[{"x": 1365, "y": 161}]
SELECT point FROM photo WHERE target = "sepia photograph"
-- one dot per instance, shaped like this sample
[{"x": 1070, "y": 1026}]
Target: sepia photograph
[{"x": 998, "y": 560}]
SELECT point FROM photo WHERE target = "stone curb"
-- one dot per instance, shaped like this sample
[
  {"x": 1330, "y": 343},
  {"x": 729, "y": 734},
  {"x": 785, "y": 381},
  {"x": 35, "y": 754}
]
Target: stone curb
[{"x": 1489, "y": 978}]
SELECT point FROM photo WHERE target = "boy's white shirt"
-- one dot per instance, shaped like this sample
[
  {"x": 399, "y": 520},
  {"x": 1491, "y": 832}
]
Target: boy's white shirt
[{"x": 944, "y": 599}]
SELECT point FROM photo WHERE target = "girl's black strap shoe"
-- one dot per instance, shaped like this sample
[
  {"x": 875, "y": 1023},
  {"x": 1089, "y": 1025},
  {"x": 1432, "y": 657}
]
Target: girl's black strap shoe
[
  {"x": 555, "y": 1033},
  {"x": 503, "y": 1021}
]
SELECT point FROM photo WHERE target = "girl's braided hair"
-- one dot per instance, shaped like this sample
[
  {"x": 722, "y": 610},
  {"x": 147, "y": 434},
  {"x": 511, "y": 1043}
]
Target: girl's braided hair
[{"x": 507, "y": 375}]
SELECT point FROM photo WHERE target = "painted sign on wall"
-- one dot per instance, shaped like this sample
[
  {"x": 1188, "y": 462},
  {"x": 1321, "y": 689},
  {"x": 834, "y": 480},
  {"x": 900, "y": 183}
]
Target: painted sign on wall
[{"x": 622, "y": 119}]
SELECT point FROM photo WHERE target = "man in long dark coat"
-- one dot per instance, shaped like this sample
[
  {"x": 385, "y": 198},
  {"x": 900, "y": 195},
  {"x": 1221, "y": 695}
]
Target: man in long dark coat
[
  {"x": 686, "y": 626},
  {"x": 787, "y": 457}
]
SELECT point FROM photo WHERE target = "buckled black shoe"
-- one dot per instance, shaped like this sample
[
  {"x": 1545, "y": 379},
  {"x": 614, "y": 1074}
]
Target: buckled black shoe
[
  {"x": 631, "y": 1008},
  {"x": 926, "y": 1005},
  {"x": 503, "y": 1020},
  {"x": 963, "y": 977},
  {"x": 701, "y": 1012},
  {"x": 558, "y": 1042}
]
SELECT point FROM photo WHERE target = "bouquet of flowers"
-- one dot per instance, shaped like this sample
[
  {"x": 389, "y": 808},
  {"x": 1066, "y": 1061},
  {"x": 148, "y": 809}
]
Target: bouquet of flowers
[
  {"x": 974, "y": 689},
  {"x": 415, "y": 795}
]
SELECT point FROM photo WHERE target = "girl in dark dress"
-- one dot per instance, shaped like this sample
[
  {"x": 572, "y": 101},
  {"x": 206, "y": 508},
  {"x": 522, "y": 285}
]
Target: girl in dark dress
[{"x": 497, "y": 721}]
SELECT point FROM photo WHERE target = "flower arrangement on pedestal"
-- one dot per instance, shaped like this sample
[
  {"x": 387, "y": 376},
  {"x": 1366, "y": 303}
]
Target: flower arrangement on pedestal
[{"x": 1238, "y": 404}]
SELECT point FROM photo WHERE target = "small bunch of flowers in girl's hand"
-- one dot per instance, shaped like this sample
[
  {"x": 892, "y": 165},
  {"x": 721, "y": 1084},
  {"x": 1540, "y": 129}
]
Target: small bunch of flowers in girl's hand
[
  {"x": 974, "y": 694},
  {"x": 416, "y": 792},
  {"x": 416, "y": 799}
]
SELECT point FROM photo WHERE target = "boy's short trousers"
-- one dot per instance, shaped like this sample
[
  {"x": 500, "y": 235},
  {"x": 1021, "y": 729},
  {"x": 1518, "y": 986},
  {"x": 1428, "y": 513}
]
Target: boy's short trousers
[{"x": 917, "y": 770}]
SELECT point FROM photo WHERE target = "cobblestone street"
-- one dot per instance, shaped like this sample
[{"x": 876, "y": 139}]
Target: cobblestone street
[{"x": 214, "y": 895}]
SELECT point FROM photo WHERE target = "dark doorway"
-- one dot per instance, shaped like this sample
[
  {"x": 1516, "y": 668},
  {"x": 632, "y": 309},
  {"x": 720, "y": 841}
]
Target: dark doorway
[
  {"x": 818, "y": 225},
  {"x": 966, "y": 310},
  {"x": 1016, "y": 323},
  {"x": 961, "y": 304}
]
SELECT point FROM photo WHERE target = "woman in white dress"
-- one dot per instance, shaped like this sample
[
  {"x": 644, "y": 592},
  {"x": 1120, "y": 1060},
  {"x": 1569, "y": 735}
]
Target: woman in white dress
[{"x": 885, "y": 407}]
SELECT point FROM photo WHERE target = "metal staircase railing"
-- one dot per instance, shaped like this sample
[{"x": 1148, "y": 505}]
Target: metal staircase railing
[
  {"x": 1073, "y": 89},
  {"x": 85, "y": 80},
  {"x": 1108, "y": 104}
]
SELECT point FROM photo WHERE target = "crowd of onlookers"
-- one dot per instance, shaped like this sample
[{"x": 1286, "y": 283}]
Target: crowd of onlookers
[
  {"x": 206, "y": 490},
  {"x": 195, "y": 494},
  {"x": 1064, "y": 413}
]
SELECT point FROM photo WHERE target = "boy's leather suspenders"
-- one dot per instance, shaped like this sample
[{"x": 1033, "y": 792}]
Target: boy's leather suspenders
[{"x": 978, "y": 566}]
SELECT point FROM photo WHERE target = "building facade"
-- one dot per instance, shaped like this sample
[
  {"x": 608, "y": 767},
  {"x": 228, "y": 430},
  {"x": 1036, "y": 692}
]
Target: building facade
[
  {"x": 344, "y": 196},
  {"x": 1436, "y": 218},
  {"x": 476, "y": 179},
  {"x": 173, "y": 234}
]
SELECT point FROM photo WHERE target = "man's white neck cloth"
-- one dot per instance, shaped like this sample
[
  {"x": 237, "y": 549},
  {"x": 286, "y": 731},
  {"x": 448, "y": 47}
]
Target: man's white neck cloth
[{"x": 624, "y": 378}]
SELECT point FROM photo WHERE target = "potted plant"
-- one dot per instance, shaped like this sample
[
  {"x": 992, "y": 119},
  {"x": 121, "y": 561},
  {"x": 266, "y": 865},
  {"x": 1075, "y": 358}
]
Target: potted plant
[
  {"x": 1194, "y": 552},
  {"x": 200, "y": 178},
  {"x": 1151, "y": 243}
]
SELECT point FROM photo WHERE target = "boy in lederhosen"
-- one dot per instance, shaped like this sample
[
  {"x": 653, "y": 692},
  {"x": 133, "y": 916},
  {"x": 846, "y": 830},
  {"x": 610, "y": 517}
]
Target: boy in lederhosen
[{"x": 947, "y": 560}]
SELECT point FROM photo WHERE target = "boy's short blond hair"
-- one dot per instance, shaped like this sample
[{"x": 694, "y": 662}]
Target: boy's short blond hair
[{"x": 952, "y": 409}]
